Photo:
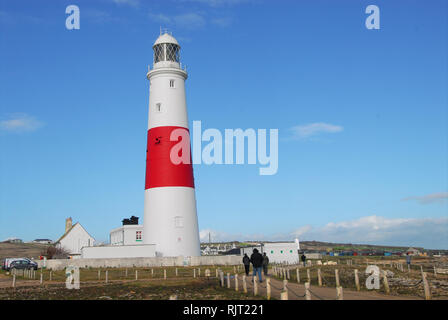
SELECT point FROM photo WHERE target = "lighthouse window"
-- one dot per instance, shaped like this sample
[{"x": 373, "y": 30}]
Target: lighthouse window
[
  {"x": 158, "y": 107},
  {"x": 158, "y": 53},
  {"x": 178, "y": 222},
  {"x": 171, "y": 83},
  {"x": 138, "y": 235},
  {"x": 172, "y": 52}
]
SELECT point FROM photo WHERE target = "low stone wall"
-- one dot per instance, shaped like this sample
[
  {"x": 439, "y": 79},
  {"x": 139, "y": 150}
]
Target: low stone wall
[{"x": 59, "y": 264}]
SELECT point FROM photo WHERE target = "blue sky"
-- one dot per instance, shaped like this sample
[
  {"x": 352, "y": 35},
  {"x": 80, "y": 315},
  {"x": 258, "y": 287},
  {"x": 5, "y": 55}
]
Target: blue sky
[{"x": 73, "y": 116}]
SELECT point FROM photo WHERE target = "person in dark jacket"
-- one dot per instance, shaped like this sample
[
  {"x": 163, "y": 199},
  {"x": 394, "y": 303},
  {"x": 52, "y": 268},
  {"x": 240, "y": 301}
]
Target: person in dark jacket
[
  {"x": 257, "y": 262},
  {"x": 303, "y": 259},
  {"x": 265, "y": 264},
  {"x": 246, "y": 262}
]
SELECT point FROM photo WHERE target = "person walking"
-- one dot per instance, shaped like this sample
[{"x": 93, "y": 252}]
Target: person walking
[
  {"x": 265, "y": 264},
  {"x": 257, "y": 262},
  {"x": 303, "y": 258},
  {"x": 246, "y": 262},
  {"x": 408, "y": 259}
]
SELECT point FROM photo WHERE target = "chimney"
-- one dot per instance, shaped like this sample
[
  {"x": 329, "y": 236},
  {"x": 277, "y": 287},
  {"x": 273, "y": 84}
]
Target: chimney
[{"x": 68, "y": 224}]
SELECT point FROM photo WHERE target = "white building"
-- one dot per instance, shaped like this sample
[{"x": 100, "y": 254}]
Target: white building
[
  {"x": 126, "y": 251},
  {"x": 43, "y": 241},
  {"x": 277, "y": 252},
  {"x": 74, "y": 238},
  {"x": 125, "y": 235}
]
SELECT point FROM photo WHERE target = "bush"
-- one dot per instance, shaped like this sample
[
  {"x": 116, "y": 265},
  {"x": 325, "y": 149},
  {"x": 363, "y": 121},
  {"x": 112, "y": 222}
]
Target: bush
[{"x": 53, "y": 252}]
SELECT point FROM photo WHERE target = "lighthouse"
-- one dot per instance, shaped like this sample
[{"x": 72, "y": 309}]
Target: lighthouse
[{"x": 170, "y": 219}]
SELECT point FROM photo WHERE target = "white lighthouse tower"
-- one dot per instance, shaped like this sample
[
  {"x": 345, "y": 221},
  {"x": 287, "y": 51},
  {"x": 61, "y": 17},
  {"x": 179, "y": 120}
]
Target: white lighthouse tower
[{"x": 170, "y": 218}]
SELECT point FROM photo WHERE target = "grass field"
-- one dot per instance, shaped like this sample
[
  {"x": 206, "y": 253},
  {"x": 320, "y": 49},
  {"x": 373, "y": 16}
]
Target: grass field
[{"x": 19, "y": 250}]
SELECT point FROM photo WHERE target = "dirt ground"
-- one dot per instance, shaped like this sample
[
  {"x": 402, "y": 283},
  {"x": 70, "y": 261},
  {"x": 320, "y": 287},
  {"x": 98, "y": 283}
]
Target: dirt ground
[{"x": 152, "y": 285}]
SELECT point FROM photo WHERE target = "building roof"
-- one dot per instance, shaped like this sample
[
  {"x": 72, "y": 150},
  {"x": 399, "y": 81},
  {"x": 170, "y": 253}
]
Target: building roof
[{"x": 68, "y": 231}]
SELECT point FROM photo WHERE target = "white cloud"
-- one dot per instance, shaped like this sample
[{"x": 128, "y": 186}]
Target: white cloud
[
  {"x": 429, "y": 198},
  {"x": 20, "y": 122},
  {"x": 222, "y": 22},
  {"x": 186, "y": 20},
  {"x": 132, "y": 3},
  {"x": 218, "y": 3},
  {"x": 314, "y": 129},
  {"x": 189, "y": 20},
  {"x": 160, "y": 17},
  {"x": 422, "y": 232}
]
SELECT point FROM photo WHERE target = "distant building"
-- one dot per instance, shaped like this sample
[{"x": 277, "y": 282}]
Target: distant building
[
  {"x": 43, "y": 241},
  {"x": 74, "y": 238},
  {"x": 413, "y": 252},
  {"x": 13, "y": 240},
  {"x": 277, "y": 252}
]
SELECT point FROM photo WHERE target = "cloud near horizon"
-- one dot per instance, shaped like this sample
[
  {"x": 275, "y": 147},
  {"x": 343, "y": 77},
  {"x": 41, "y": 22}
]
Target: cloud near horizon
[
  {"x": 314, "y": 129},
  {"x": 20, "y": 122},
  {"x": 429, "y": 198},
  {"x": 431, "y": 233}
]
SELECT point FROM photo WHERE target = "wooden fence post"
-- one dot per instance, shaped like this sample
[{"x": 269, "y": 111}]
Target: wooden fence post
[
  {"x": 107, "y": 276},
  {"x": 298, "y": 275},
  {"x": 164, "y": 274},
  {"x": 222, "y": 278},
  {"x": 136, "y": 274},
  {"x": 319, "y": 277},
  {"x": 386, "y": 282},
  {"x": 336, "y": 273},
  {"x": 285, "y": 284},
  {"x": 307, "y": 291},
  {"x": 199, "y": 272},
  {"x": 268, "y": 288},
  {"x": 284, "y": 295},
  {"x": 244, "y": 284},
  {"x": 14, "y": 280},
  {"x": 255, "y": 286},
  {"x": 308, "y": 275},
  {"x": 228, "y": 280},
  {"x": 51, "y": 275},
  {"x": 176, "y": 272},
  {"x": 340, "y": 294},
  {"x": 99, "y": 275},
  {"x": 287, "y": 274},
  {"x": 358, "y": 288},
  {"x": 236, "y": 282},
  {"x": 194, "y": 273},
  {"x": 152, "y": 273}
]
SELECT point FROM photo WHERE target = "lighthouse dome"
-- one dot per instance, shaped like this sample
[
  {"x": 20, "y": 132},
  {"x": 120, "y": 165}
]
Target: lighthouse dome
[{"x": 166, "y": 38}]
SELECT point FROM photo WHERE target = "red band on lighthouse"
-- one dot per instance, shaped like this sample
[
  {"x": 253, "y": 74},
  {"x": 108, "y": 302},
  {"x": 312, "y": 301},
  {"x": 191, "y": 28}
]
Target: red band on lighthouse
[{"x": 160, "y": 170}]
